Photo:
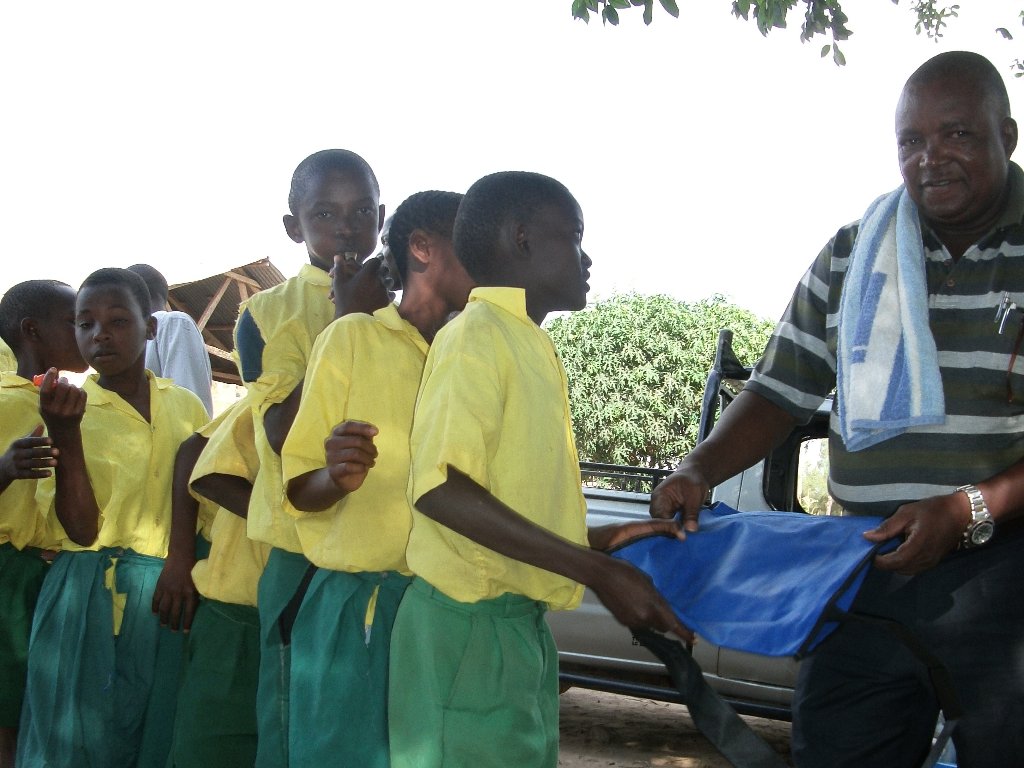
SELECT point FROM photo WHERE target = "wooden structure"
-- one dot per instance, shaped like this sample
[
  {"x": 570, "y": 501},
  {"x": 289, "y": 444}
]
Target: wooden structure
[{"x": 213, "y": 303}]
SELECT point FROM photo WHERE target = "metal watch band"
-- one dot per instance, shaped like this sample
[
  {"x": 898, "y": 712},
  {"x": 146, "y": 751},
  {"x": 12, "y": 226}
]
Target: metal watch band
[{"x": 981, "y": 528}]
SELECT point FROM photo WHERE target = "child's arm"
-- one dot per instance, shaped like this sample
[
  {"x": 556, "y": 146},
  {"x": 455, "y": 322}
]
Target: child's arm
[
  {"x": 469, "y": 509},
  {"x": 279, "y": 418},
  {"x": 175, "y": 597},
  {"x": 350, "y": 454},
  {"x": 27, "y": 458},
  {"x": 228, "y": 491},
  {"x": 62, "y": 406}
]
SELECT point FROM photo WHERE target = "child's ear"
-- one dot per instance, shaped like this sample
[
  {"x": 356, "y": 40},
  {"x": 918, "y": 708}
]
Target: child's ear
[
  {"x": 419, "y": 248},
  {"x": 380, "y": 218},
  {"x": 293, "y": 228},
  {"x": 515, "y": 235},
  {"x": 150, "y": 328},
  {"x": 30, "y": 330}
]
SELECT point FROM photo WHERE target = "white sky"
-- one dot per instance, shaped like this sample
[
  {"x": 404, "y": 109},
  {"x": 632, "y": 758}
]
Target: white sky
[{"x": 705, "y": 157}]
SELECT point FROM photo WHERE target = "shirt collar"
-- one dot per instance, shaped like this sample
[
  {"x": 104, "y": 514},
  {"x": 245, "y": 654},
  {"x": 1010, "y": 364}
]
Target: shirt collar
[
  {"x": 314, "y": 275},
  {"x": 99, "y": 396},
  {"x": 10, "y": 379},
  {"x": 389, "y": 317},
  {"x": 512, "y": 300}
]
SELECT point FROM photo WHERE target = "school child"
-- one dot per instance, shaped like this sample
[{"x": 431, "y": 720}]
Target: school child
[
  {"x": 102, "y": 672},
  {"x": 499, "y": 533},
  {"x": 334, "y": 209},
  {"x": 215, "y": 722},
  {"x": 37, "y": 322},
  {"x": 346, "y": 465}
]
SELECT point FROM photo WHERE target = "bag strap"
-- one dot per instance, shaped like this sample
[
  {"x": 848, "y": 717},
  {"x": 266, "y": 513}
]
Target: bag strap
[{"x": 712, "y": 715}]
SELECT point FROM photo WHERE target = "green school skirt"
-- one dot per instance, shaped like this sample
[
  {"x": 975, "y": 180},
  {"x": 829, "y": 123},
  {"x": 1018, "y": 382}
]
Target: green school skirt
[
  {"x": 215, "y": 723},
  {"x": 21, "y": 578},
  {"x": 472, "y": 685},
  {"x": 340, "y": 647},
  {"x": 96, "y": 700},
  {"x": 278, "y": 584}
]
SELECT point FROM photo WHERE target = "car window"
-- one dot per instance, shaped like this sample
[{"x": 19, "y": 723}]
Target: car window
[{"x": 812, "y": 479}]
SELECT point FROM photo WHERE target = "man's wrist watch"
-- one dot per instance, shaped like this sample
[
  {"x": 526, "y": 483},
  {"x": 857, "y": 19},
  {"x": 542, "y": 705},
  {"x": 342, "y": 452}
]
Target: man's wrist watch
[{"x": 981, "y": 528}]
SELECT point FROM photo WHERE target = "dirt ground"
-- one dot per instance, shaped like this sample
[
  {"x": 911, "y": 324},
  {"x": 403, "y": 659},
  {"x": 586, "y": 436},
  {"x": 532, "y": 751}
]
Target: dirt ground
[{"x": 604, "y": 729}]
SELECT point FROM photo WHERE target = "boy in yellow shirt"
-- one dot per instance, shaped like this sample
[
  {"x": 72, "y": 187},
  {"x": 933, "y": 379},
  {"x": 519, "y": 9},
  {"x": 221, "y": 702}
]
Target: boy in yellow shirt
[
  {"x": 102, "y": 672},
  {"x": 334, "y": 210},
  {"x": 215, "y": 723},
  {"x": 346, "y": 465},
  {"x": 499, "y": 533},
  {"x": 37, "y": 321}
]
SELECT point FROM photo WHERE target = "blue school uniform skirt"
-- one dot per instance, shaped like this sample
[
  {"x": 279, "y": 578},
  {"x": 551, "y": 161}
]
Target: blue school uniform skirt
[{"x": 95, "y": 699}]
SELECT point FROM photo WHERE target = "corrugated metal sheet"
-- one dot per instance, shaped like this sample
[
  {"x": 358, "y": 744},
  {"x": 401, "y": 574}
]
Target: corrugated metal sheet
[{"x": 217, "y": 320}]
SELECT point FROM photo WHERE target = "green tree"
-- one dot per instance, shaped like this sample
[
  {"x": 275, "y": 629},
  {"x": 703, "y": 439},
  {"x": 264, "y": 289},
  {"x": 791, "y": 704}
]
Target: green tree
[
  {"x": 636, "y": 367},
  {"x": 821, "y": 17}
]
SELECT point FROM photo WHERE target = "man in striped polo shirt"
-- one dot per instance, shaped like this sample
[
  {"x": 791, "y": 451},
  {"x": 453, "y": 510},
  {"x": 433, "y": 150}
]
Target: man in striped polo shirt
[{"x": 862, "y": 699}]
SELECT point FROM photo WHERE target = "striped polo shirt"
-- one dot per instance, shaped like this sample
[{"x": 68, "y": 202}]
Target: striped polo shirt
[{"x": 982, "y": 376}]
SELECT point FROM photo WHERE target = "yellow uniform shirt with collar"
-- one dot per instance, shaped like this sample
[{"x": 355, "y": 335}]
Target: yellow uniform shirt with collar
[
  {"x": 365, "y": 369},
  {"x": 26, "y": 506},
  {"x": 289, "y": 317},
  {"x": 494, "y": 404},
  {"x": 231, "y": 572},
  {"x": 131, "y": 462},
  {"x": 8, "y": 362}
]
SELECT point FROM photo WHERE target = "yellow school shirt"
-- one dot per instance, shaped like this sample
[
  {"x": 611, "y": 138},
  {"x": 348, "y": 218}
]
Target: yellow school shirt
[
  {"x": 365, "y": 369},
  {"x": 25, "y": 507},
  {"x": 131, "y": 462},
  {"x": 289, "y": 317},
  {"x": 494, "y": 404},
  {"x": 8, "y": 362},
  {"x": 232, "y": 570}
]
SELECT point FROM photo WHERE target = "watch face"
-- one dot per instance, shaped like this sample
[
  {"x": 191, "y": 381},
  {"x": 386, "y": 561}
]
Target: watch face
[{"x": 982, "y": 532}]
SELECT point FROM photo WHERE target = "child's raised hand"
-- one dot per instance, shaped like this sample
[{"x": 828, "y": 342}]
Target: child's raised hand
[
  {"x": 28, "y": 458},
  {"x": 61, "y": 404},
  {"x": 357, "y": 287},
  {"x": 350, "y": 453}
]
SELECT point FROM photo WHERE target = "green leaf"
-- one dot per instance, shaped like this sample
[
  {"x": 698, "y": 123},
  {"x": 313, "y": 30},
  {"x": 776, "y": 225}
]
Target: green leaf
[
  {"x": 837, "y": 56},
  {"x": 619, "y": 4},
  {"x": 610, "y": 16},
  {"x": 648, "y": 12},
  {"x": 671, "y": 7},
  {"x": 1004, "y": 32},
  {"x": 824, "y": 50},
  {"x": 580, "y": 11}
]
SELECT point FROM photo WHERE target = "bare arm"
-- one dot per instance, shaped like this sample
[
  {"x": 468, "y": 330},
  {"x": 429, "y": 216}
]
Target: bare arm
[
  {"x": 228, "y": 491},
  {"x": 467, "y": 508},
  {"x": 350, "y": 454},
  {"x": 280, "y": 417},
  {"x": 750, "y": 428},
  {"x": 175, "y": 597},
  {"x": 934, "y": 527},
  {"x": 62, "y": 406}
]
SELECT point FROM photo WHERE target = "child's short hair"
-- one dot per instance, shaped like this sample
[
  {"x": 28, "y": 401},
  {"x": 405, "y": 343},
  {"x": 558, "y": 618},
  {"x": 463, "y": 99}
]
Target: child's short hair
[
  {"x": 320, "y": 163},
  {"x": 32, "y": 298},
  {"x": 432, "y": 211},
  {"x": 155, "y": 282},
  {"x": 121, "y": 278},
  {"x": 490, "y": 204}
]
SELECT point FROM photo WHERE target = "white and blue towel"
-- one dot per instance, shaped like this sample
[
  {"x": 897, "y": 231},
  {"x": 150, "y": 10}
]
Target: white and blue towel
[{"x": 888, "y": 368}]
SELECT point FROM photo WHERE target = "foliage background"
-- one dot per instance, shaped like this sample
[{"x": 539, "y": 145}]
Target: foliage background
[{"x": 637, "y": 366}]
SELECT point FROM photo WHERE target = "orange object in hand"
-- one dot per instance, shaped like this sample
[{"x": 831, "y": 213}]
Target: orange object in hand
[{"x": 38, "y": 379}]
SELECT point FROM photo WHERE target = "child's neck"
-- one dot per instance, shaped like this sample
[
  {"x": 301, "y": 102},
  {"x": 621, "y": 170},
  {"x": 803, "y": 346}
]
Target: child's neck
[{"x": 132, "y": 386}]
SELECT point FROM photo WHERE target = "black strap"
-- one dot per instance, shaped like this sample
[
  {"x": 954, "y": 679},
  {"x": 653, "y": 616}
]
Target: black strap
[
  {"x": 286, "y": 620},
  {"x": 712, "y": 715}
]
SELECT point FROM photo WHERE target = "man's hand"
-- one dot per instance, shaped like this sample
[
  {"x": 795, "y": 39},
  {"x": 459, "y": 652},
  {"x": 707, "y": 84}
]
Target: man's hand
[
  {"x": 350, "y": 454},
  {"x": 605, "y": 537},
  {"x": 684, "y": 490},
  {"x": 932, "y": 528},
  {"x": 357, "y": 287},
  {"x": 176, "y": 598},
  {"x": 28, "y": 458},
  {"x": 631, "y": 598},
  {"x": 61, "y": 404}
]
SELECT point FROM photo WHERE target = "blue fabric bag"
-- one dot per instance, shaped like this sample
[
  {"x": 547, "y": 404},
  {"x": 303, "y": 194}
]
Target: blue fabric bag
[{"x": 762, "y": 582}]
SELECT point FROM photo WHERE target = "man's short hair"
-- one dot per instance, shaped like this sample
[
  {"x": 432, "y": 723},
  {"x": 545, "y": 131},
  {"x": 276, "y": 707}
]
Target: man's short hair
[
  {"x": 155, "y": 282},
  {"x": 321, "y": 163},
  {"x": 32, "y": 298},
  {"x": 432, "y": 211},
  {"x": 121, "y": 278},
  {"x": 492, "y": 203},
  {"x": 960, "y": 65}
]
